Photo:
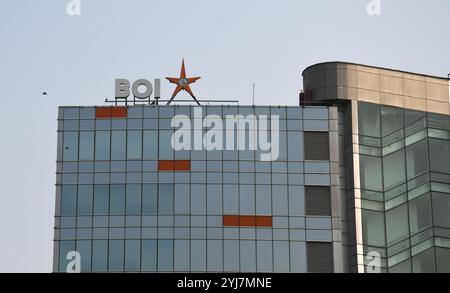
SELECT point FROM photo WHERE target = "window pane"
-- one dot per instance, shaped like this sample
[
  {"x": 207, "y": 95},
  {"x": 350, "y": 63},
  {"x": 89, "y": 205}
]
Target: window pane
[
  {"x": 214, "y": 256},
  {"x": 417, "y": 158},
  {"x": 263, "y": 200},
  {"x": 443, "y": 260},
  {"x": 165, "y": 255},
  {"x": 441, "y": 208},
  {"x": 281, "y": 256},
  {"x": 318, "y": 200},
  {"x": 84, "y": 248},
  {"x": 403, "y": 267},
  {"x": 391, "y": 119},
  {"x": 440, "y": 155},
  {"x": 370, "y": 173},
  {"x": 181, "y": 255},
  {"x": 246, "y": 199},
  {"x": 118, "y": 145},
  {"x": 132, "y": 255},
  {"x": 149, "y": 255},
  {"x": 198, "y": 255},
  {"x": 117, "y": 204},
  {"x": 150, "y": 150},
  {"x": 165, "y": 146},
  {"x": 85, "y": 199},
  {"x": 149, "y": 199},
  {"x": 68, "y": 200},
  {"x": 64, "y": 248},
  {"x": 198, "y": 199},
  {"x": 165, "y": 199},
  {"x": 317, "y": 146},
  {"x": 101, "y": 199},
  {"x": 394, "y": 169},
  {"x": 420, "y": 213},
  {"x": 279, "y": 200},
  {"x": 102, "y": 145},
  {"x": 134, "y": 146},
  {"x": 133, "y": 203},
  {"x": 424, "y": 262},
  {"x": 248, "y": 256},
  {"x": 369, "y": 119},
  {"x": 397, "y": 224},
  {"x": 70, "y": 152},
  {"x": 86, "y": 145},
  {"x": 320, "y": 257},
  {"x": 230, "y": 201},
  {"x": 99, "y": 255},
  {"x": 264, "y": 256},
  {"x": 182, "y": 205},
  {"x": 214, "y": 199},
  {"x": 373, "y": 228},
  {"x": 231, "y": 255},
  {"x": 116, "y": 255},
  {"x": 412, "y": 116},
  {"x": 298, "y": 257}
]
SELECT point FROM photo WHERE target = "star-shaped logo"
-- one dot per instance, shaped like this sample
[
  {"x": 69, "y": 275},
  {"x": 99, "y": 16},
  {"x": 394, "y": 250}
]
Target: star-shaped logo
[{"x": 182, "y": 84}]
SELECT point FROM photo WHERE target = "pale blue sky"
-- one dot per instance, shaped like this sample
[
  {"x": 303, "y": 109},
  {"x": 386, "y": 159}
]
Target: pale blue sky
[{"x": 231, "y": 44}]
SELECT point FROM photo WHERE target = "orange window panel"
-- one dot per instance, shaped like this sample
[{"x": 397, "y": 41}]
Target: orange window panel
[
  {"x": 232, "y": 221},
  {"x": 247, "y": 221},
  {"x": 264, "y": 221},
  {"x": 103, "y": 112},
  {"x": 111, "y": 112},
  {"x": 169, "y": 165}
]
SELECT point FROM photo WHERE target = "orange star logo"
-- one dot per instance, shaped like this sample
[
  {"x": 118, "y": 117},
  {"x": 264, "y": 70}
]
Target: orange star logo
[{"x": 182, "y": 84}]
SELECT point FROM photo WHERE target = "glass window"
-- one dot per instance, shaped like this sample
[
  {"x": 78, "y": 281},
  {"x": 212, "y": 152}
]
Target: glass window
[
  {"x": 198, "y": 199},
  {"x": 443, "y": 260},
  {"x": 403, "y": 267},
  {"x": 439, "y": 155},
  {"x": 182, "y": 198},
  {"x": 317, "y": 201},
  {"x": 394, "y": 169},
  {"x": 214, "y": 199},
  {"x": 133, "y": 203},
  {"x": 86, "y": 145},
  {"x": 165, "y": 255},
  {"x": 102, "y": 145},
  {"x": 441, "y": 208},
  {"x": 85, "y": 199},
  {"x": 281, "y": 256},
  {"x": 116, "y": 255},
  {"x": 214, "y": 255},
  {"x": 198, "y": 255},
  {"x": 397, "y": 224},
  {"x": 320, "y": 257},
  {"x": 149, "y": 250},
  {"x": 369, "y": 119},
  {"x": 263, "y": 200},
  {"x": 84, "y": 248},
  {"x": 297, "y": 201},
  {"x": 420, "y": 213},
  {"x": 117, "y": 201},
  {"x": 165, "y": 199},
  {"x": 247, "y": 199},
  {"x": 417, "y": 158},
  {"x": 132, "y": 255},
  {"x": 149, "y": 199},
  {"x": 231, "y": 255},
  {"x": 68, "y": 200},
  {"x": 298, "y": 257},
  {"x": 134, "y": 145},
  {"x": 264, "y": 256},
  {"x": 64, "y": 248},
  {"x": 391, "y": 119},
  {"x": 99, "y": 255},
  {"x": 373, "y": 228},
  {"x": 101, "y": 199},
  {"x": 412, "y": 116},
  {"x": 150, "y": 151},
  {"x": 181, "y": 255},
  {"x": 424, "y": 262},
  {"x": 165, "y": 146},
  {"x": 370, "y": 173},
  {"x": 279, "y": 200},
  {"x": 248, "y": 256},
  {"x": 70, "y": 152},
  {"x": 118, "y": 145},
  {"x": 230, "y": 201},
  {"x": 317, "y": 146}
]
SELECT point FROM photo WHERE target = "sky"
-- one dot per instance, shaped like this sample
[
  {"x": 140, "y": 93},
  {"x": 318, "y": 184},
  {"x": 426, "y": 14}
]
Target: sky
[{"x": 231, "y": 44}]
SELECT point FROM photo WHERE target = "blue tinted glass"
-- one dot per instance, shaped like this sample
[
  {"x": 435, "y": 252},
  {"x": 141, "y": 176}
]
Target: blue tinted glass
[
  {"x": 182, "y": 197},
  {"x": 264, "y": 256},
  {"x": 149, "y": 250},
  {"x": 87, "y": 113},
  {"x": 279, "y": 200},
  {"x": 247, "y": 199},
  {"x": 214, "y": 199},
  {"x": 165, "y": 146},
  {"x": 117, "y": 201},
  {"x": 64, "y": 248},
  {"x": 214, "y": 255},
  {"x": 101, "y": 199},
  {"x": 198, "y": 255},
  {"x": 165, "y": 255},
  {"x": 150, "y": 150},
  {"x": 84, "y": 248},
  {"x": 118, "y": 145},
  {"x": 149, "y": 199},
  {"x": 134, "y": 147},
  {"x": 99, "y": 255},
  {"x": 116, "y": 255},
  {"x": 133, "y": 202},
  {"x": 231, "y": 255},
  {"x": 102, "y": 145},
  {"x": 70, "y": 152},
  {"x": 263, "y": 200},
  {"x": 181, "y": 255},
  {"x": 165, "y": 199},
  {"x": 198, "y": 199},
  {"x": 281, "y": 256},
  {"x": 85, "y": 199},
  {"x": 86, "y": 145},
  {"x": 248, "y": 256},
  {"x": 230, "y": 201},
  {"x": 68, "y": 200},
  {"x": 132, "y": 255}
]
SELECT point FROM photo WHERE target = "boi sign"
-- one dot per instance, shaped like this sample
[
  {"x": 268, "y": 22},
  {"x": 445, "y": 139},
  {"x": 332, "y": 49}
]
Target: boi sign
[{"x": 141, "y": 88}]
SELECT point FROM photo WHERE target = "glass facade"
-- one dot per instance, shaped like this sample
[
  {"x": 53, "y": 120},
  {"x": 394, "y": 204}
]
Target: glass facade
[
  {"x": 405, "y": 187},
  {"x": 122, "y": 207}
]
